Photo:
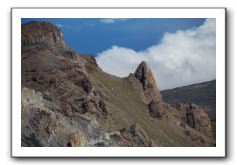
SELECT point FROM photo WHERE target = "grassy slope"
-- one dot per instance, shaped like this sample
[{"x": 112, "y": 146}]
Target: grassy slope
[{"x": 126, "y": 108}]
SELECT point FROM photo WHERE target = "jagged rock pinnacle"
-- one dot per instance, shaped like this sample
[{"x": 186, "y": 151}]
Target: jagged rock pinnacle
[{"x": 145, "y": 76}]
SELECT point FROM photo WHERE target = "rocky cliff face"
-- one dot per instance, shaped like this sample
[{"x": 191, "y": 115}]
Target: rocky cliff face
[
  {"x": 41, "y": 33},
  {"x": 44, "y": 35},
  {"x": 67, "y": 100},
  {"x": 60, "y": 107}
]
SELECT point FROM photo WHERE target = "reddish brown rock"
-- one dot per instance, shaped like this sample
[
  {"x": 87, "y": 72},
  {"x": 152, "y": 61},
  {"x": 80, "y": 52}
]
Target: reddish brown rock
[
  {"x": 145, "y": 77},
  {"x": 41, "y": 33},
  {"x": 44, "y": 35},
  {"x": 155, "y": 103},
  {"x": 156, "y": 109},
  {"x": 195, "y": 117}
]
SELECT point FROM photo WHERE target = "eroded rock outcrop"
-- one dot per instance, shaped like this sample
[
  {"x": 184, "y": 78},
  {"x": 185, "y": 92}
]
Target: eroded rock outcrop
[
  {"x": 153, "y": 97},
  {"x": 145, "y": 77},
  {"x": 136, "y": 136},
  {"x": 43, "y": 127},
  {"x": 89, "y": 62},
  {"x": 56, "y": 89},
  {"x": 44, "y": 35},
  {"x": 192, "y": 115},
  {"x": 41, "y": 33},
  {"x": 40, "y": 126},
  {"x": 156, "y": 109},
  {"x": 195, "y": 117}
]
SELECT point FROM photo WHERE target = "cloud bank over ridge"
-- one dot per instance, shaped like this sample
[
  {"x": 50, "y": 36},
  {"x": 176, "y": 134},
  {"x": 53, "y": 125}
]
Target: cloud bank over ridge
[{"x": 181, "y": 58}]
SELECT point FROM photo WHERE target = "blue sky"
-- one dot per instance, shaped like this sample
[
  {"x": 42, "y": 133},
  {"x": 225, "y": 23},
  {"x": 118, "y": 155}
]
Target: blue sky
[{"x": 92, "y": 36}]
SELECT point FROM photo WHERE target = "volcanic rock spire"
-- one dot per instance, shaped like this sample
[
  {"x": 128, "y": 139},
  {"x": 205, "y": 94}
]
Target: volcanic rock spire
[{"x": 151, "y": 92}]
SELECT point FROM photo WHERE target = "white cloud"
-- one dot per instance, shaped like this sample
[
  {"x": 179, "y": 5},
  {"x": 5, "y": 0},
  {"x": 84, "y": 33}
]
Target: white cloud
[
  {"x": 59, "y": 25},
  {"x": 182, "y": 58},
  {"x": 112, "y": 20}
]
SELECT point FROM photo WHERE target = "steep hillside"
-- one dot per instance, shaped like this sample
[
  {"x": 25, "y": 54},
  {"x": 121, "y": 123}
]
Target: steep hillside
[
  {"x": 67, "y": 100},
  {"x": 126, "y": 107},
  {"x": 202, "y": 94}
]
